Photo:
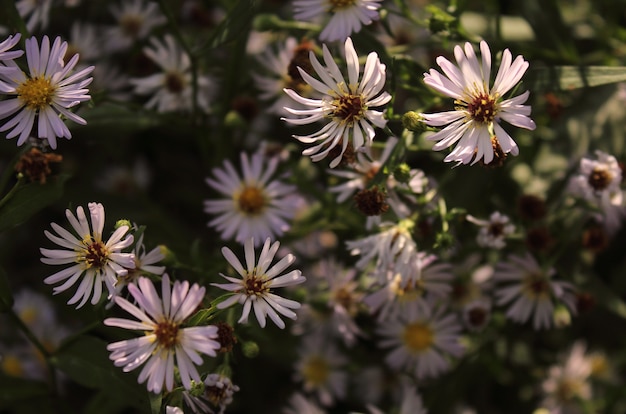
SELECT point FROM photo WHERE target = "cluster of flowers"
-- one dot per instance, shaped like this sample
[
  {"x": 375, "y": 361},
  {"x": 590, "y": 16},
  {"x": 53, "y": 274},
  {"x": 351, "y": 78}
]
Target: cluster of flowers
[{"x": 419, "y": 304}]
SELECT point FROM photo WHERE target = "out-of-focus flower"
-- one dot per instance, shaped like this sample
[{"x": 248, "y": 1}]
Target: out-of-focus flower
[
  {"x": 299, "y": 404},
  {"x": 135, "y": 20},
  {"x": 96, "y": 261},
  {"x": 256, "y": 204},
  {"x": 218, "y": 394},
  {"x": 494, "y": 231},
  {"x": 172, "y": 89},
  {"x": 347, "y": 16},
  {"x": 164, "y": 339},
  {"x": 476, "y": 314},
  {"x": 475, "y": 125},
  {"x": 253, "y": 291},
  {"x": 420, "y": 344},
  {"x": 35, "y": 12},
  {"x": 49, "y": 90},
  {"x": 85, "y": 41},
  {"x": 411, "y": 402},
  {"x": 345, "y": 105},
  {"x": 530, "y": 290}
]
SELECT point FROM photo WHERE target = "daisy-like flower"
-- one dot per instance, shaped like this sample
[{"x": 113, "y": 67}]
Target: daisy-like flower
[
  {"x": 165, "y": 339},
  {"x": 135, "y": 20},
  {"x": 172, "y": 89},
  {"x": 255, "y": 205},
  {"x": 347, "y": 16},
  {"x": 35, "y": 12},
  {"x": 474, "y": 126},
  {"x": 345, "y": 105},
  {"x": 253, "y": 291},
  {"x": 85, "y": 41},
  {"x": 494, "y": 231},
  {"x": 47, "y": 92},
  {"x": 218, "y": 393},
  {"x": 7, "y": 44},
  {"x": 530, "y": 290},
  {"x": 421, "y": 344},
  {"x": 96, "y": 261}
]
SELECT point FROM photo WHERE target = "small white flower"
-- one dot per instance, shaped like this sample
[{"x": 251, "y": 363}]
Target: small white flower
[
  {"x": 530, "y": 290},
  {"x": 135, "y": 20},
  {"x": 172, "y": 89},
  {"x": 299, "y": 404},
  {"x": 218, "y": 393},
  {"x": 345, "y": 106},
  {"x": 494, "y": 231},
  {"x": 7, "y": 44},
  {"x": 35, "y": 12},
  {"x": 253, "y": 291},
  {"x": 474, "y": 126},
  {"x": 48, "y": 91},
  {"x": 164, "y": 339},
  {"x": 347, "y": 16},
  {"x": 421, "y": 343},
  {"x": 256, "y": 205},
  {"x": 98, "y": 262},
  {"x": 85, "y": 41}
]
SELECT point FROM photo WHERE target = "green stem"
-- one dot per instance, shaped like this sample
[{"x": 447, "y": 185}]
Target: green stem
[{"x": 12, "y": 191}]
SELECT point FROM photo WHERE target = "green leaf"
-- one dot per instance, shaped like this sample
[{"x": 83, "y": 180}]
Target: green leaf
[
  {"x": 86, "y": 361},
  {"x": 573, "y": 77},
  {"x": 28, "y": 199},
  {"x": 13, "y": 389},
  {"x": 155, "y": 403},
  {"x": 6, "y": 298}
]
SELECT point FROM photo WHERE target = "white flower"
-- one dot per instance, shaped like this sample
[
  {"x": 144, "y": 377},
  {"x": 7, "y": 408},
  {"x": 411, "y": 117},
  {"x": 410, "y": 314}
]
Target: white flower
[
  {"x": 7, "y": 44},
  {"x": 421, "y": 343},
  {"x": 256, "y": 205},
  {"x": 35, "y": 12},
  {"x": 98, "y": 262},
  {"x": 347, "y": 15},
  {"x": 494, "y": 231},
  {"x": 345, "y": 106},
  {"x": 164, "y": 339},
  {"x": 47, "y": 92},
  {"x": 530, "y": 290},
  {"x": 135, "y": 19},
  {"x": 299, "y": 404},
  {"x": 253, "y": 291},
  {"x": 85, "y": 41},
  {"x": 320, "y": 367},
  {"x": 218, "y": 393},
  {"x": 172, "y": 89},
  {"x": 475, "y": 125}
]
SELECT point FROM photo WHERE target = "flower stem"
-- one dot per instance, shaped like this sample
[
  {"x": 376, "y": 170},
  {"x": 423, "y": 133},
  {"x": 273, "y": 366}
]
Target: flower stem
[{"x": 9, "y": 195}]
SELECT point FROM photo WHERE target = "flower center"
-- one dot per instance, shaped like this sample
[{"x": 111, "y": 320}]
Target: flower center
[
  {"x": 536, "y": 286},
  {"x": 216, "y": 395},
  {"x": 496, "y": 229},
  {"x": 477, "y": 317},
  {"x": 418, "y": 337},
  {"x": 174, "y": 82},
  {"x": 254, "y": 285},
  {"x": 251, "y": 201},
  {"x": 96, "y": 255},
  {"x": 483, "y": 108},
  {"x": 599, "y": 179},
  {"x": 36, "y": 93},
  {"x": 12, "y": 366},
  {"x": 349, "y": 108},
  {"x": 408, "y": 292},
  {"x": 131, "y": 24},
  {"x": 340, "y": 4},
  {"x": 316, "y": 370},
  {"x": 344, "y": 296},
  {"x": 167, "y": 334}
]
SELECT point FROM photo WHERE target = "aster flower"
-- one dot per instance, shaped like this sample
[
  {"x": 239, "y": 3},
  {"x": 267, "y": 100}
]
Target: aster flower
[
  {"x": 299, "y": 404},
  {"x": 345, "y": 106},
  {"x": 85, "y": 41},
  {"x": 494, "y": 231},
  {"x": 171, "y": 90},
  {"x": 253, "y": 291},
  {"x": 347, "y": 16},
  {"x": 96, "y": 261},
  {"x": 7, "y": 44},
  {"x": 165, "y": 339},
  {"x": 218, "y": 394},
  {"x": 256, "y": 205},
  {"x": 47, "y": 92},
  {"x": 135, "y": 20},
  {"x": 530, "y": 290},
  {"x": 474, "y": 126},
  {"x": 420, "y": 344},
  {"x": 34, "y": 12}
]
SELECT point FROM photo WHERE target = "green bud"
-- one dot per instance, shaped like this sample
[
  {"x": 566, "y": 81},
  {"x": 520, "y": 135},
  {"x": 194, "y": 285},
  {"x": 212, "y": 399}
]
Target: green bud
[
  {"x": 443, "y": 240},
  {"x": 441, "y": 21},
  {"x": 197, "y": 388},
  {"x": 413, "y": 122},
  {"x": 234, "y": 120},
  {"x": 561, "y": 316},
  {"x": 170, "y": 258},
  {"x": 123, "y": 222},
  {"x": 250, "y": 349},
  {"x": 402, "y": 173}
]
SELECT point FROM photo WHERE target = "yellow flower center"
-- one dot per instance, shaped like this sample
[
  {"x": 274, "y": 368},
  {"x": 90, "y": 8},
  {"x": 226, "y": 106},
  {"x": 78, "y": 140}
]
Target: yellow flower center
[
  {"x": 336, "y": 5},
  {"x": 316, "y": 370},
  {"x": 418, "y": 337},
  {"x": 29, "y": 315},
  {"x": 483, "y": 108},
  {"x": 12, "y": 366},
  {"x": 96, "y": 254},
  {"x": 167, "y": 334},
  {"x": 255, "y": 285},
  {"x": 349, "y": 108},
  {"x": 251, "y": 200},
  {"x": 536, "y": 286},
  {"x": 131, "y": 24},
  {"x": 36, "y": 93},
  {"x": 599, "y": 179}
]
